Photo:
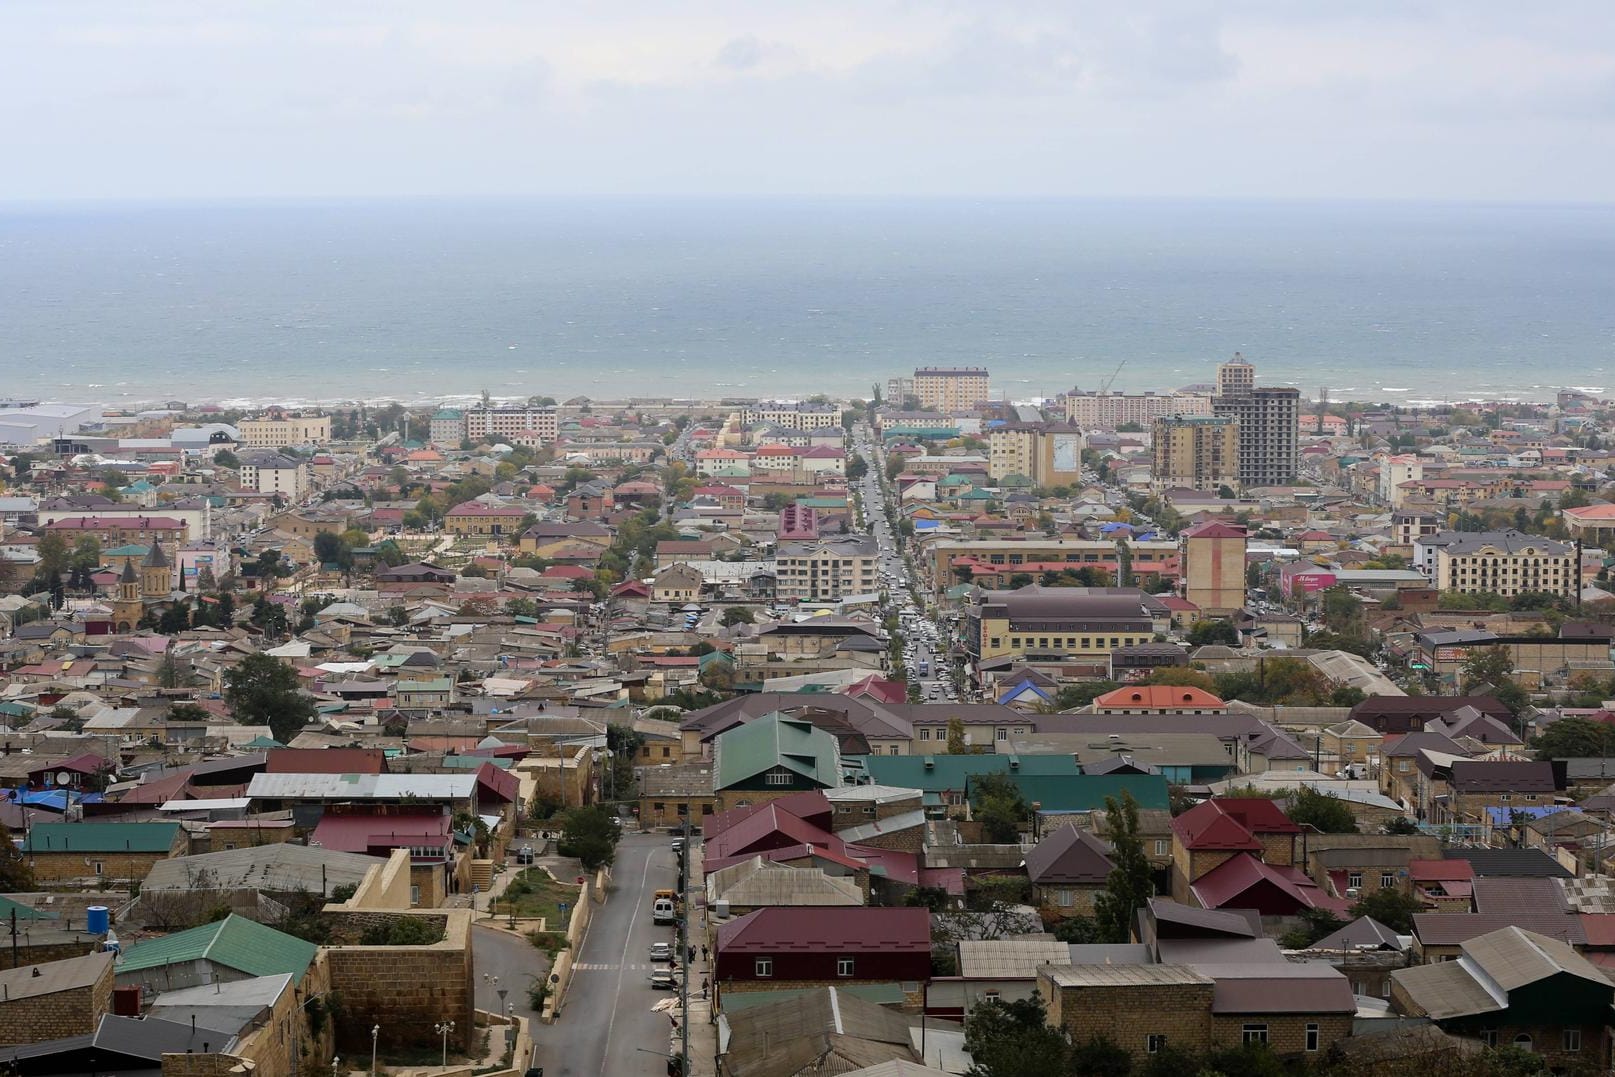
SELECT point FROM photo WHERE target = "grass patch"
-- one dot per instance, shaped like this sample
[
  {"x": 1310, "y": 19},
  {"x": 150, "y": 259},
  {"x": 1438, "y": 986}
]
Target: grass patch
[
  {"x": 534, "y": 893},
  {"x": 551, "y": 942}
]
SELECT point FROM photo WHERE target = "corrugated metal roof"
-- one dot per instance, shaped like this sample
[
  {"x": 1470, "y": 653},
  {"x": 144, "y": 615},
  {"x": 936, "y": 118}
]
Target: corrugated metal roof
[
  {"x": 1446, "y": 990},
  {"x": 101, "y": 838},
  {"x": 1279, "y": 987},
  {"x": 235, "y": 942},
  {"x": 890, "y": 930},
  {"x": 53, "y": 976},
  {"x": 1017, "y": 958},
  {"x": 362, "y": 786}
]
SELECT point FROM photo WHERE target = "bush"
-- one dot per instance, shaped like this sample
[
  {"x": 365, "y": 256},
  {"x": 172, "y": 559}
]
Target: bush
[{"x": 402, "y": 931}]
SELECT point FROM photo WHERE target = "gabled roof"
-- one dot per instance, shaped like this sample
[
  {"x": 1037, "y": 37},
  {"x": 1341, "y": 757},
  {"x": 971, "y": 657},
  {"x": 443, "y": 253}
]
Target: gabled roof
[
  {"x": 101, "y": 838},
  {"x": 774, "y": 741},
  {"x": 863, "y": 930},
  {"x": 1069, "y": 855},
  {"x": 235, "y": 942}
]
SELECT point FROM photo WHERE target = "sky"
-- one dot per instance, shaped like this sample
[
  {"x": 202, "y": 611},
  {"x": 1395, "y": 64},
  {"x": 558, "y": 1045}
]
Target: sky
[{"x": 1471, "y": 100}]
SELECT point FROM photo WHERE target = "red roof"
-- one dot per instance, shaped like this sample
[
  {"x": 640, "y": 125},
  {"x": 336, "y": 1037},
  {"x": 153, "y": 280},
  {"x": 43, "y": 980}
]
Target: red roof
[
  {"x": 1272, "y": 889},
  {"x": 325, "y": 761},
  {"x": 1231, "y": 823},
  {"x": 784, "y": 930},
  {"x": 770, "y": 828},
  {"x": 482, "y": 508},
  {"x": 501, "y": 783},
  {"x": 362, "y": 833},
  {"x": 1436, "y": 871},
  {"x": 1215, "y": 529},
  {"x": 1159, "y": 697}
]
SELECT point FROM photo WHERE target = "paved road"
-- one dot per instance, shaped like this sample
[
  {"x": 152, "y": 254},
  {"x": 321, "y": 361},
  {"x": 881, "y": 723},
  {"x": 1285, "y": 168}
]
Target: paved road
[
  {"x": 514, "y": 961},
  {"x": 607, "y": 1017}
]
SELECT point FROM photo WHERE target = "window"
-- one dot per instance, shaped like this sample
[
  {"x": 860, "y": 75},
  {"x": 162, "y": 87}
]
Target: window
[
  {"x": 1505, "y": 798},
  {"x": 229, "y": 845},
  {"x": 763, "y": 967},
  {"x": 1003, "y": 734},
  {"x": 1162, "y": 847},
  {"x": 1062, "y": 898},
  {"x": 666, "y": 752},
  {"x": 414, "y": 896},
  {"x": 843, "y": 966},
  {"x": 1154, "y": 1043},
  {"x": 1312, "y": 1037},
  {"x": 1387, "y": 880},
  {"x": 1523, "y": 1041},
  {"x": 658, "y": 807},
  {"x": 989, "y": 996},
  {"x": 1355, "y": 880},
  {"x": 925, "y": 734},
  {"x": 1254, "y": 1034},
  {"x": 779, "y": 777},
  {"x": 1570, "y": 1040},
  {"x": 1488, "y": 1036}
]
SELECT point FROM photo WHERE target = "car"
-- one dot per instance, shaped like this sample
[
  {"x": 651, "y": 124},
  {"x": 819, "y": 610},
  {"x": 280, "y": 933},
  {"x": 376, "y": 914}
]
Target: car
[
  {"x": 664, "y": 980},
  {"x": 661, "y": 951},
  {"x": 525, "y": 855}
]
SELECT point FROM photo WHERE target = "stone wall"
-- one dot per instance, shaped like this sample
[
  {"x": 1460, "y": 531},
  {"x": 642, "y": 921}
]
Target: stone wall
[
  {"x": 36, "y": 949},
  {"x": 384, "y": 887},
  {"x": 57, "y": 1015},
  {"x": 404, "y": 989},
  {"x": 1127, "y": 1014},
  {"x": 1286, "y": 1032},
  {"x": 55, "y": 869}
]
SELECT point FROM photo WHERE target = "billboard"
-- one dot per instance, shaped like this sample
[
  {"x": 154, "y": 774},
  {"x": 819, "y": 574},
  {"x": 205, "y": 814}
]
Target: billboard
[
  {"x": 1067, "y": 452},
  {"x": 1311, "y": 582}
]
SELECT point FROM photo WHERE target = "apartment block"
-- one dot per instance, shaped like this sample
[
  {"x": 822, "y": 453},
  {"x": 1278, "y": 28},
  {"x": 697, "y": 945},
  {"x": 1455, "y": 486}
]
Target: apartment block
[
  {"x": 826, "y": 569},
  {"x": 1200, "y": 452},
  {"x": 274, "y": 473},
  {"x": 1050, "y": 454},
  {"x": 277, "y": 431},
  {"x": 951, "y": 388},
  {"x": 792, "y": 414},
  {"x": 1269, "y": 420},
  {"x": 1506, "y": 563},
  {"x": 447, "y": 427},
  {"x": 482, "y": 423},
  {"x": 1107, "y": 411}
]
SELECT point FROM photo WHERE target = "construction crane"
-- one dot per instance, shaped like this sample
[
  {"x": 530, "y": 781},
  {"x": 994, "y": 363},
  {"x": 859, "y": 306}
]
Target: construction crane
[{"x": 1106, "y": 384}]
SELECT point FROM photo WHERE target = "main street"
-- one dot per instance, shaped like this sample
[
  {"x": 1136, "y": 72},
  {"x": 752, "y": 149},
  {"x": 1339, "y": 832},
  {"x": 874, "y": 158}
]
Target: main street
[{"x": 607, "y": 1017}]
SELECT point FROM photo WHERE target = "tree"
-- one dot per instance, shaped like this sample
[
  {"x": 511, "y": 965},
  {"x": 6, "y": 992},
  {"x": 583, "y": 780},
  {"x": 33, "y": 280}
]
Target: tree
[
  {"x": 1390, "y": 907},
  {"x": 1129, "y": 884},
  {"x": 1574, "y": 737},
  {"x": 1315, "y": 924},
  {"x": 1494, "y": 667},
  {"x": 1204, "y": 633},
  {"x": 16, "y": 875},
  {"x": 857, "y": 467},
  {"x": 996, "y": 803},
  {"x": 87, "y": 553},
  {"x": 1326, "y": 814},
  {"x": 331, "y": 548},
  {"x": 1182, "y": 677},
  {"x": 1071, "y": 696},
  {"x": 1077, "y": 929},
  {"x": 1013, "y": 1039},
  {"x": 52, "y": 552},
  {"x": 262, "y": 690},
  {"x": 956, "y": 737},
  {"x": 590, "y": 834},
  {"x": 737, "y": 615}
]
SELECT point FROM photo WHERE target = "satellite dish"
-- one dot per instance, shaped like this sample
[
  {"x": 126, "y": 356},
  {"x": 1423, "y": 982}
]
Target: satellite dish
[{"x": 63, "y": 778}]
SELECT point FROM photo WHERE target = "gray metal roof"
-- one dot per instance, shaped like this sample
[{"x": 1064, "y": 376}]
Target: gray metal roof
[
  {"x": 49, "y": 977},
  {"x": 362, "y": 786},
  {"x": 274, "y": 867}
]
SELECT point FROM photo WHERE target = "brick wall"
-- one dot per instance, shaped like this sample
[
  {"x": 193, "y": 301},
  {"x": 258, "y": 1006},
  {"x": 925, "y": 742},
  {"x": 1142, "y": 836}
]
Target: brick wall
[
  {"x": 1127, "y": 1015},
  {"x": 39, "y": 952},
  {"x": 909, "y": 840},
  {"x": 56, "y": 1015},
  {"x": 1047, "y": 899},
  {"x": 405, "y": 989},
  {"x": 1286, "y": 1032},
  {"x": 1277, "y": 848},
  {"x": 59, "y": 868}
]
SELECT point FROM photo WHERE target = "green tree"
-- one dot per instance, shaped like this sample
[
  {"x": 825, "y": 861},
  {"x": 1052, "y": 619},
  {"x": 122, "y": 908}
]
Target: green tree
[
  {"x": 16, "y": 876},
  {"x": 1071, "y": 696},
  {"x": 1327, "y": 814},
  {"x": 996, "y": 803},
  {"x": 1493, "y": 667},
  {"x": 87, "y": 553},
  {"x": 1391, "y": 907},
  {"x": 956, "y": 737},
  {"x": 51, "y": 550},
  {"x": 857, "y": 468},
  {"x": 1077, "y": 929},
  {"x": 1574, "y": 737},
  {"x": 261, "y": 690},
  {"x": 1204, "y": 633},
  {"x": 737, "y": 615},
  {"x": 1013, "y": 1039},
  {"x": 590, "y": 834},
  {"x": 1129, "y": 884}
]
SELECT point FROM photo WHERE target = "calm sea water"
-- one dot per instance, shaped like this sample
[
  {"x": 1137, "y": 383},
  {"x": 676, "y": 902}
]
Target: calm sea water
[{"x": 429, "y": 300}]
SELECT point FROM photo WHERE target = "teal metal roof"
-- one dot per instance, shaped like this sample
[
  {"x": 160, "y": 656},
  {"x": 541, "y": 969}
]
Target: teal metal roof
[
  {"x": 776, "y": 741},
  {"x": 235, "y": 942},
  {"x": 101, "y": 838},
  {"x": 8, "y": 908},
  {"x": 947, "y": 772}
]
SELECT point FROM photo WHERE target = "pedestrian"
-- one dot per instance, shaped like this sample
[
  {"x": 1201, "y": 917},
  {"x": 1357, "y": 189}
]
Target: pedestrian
[
  {"x": 692, "y": 955},
  {"x": 703, "y": 988},
  {"x": 703, "y": 952}
]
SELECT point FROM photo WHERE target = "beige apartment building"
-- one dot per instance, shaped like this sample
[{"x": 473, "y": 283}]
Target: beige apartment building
[
  {"x": 1107, "y": 411},
  {"x": 278, "y": 431},
  {"x": 951, "y": 388},
  {"x": 1050, "y": 454},
  {"x": 827, "y": 569},
  {"x": 792, "y": 415},
  {"x": 1200, "y": 452},
  {"x": 482, "y": 423},
  {"x": 1214, "y": 567},
  {"x": 273, "y": 473},
  {"x": 1506, "y": 563}
]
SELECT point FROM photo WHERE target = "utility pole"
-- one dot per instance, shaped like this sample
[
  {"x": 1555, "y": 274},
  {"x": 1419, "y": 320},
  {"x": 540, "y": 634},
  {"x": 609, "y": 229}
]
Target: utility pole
[{"x": 684, "y": 944}]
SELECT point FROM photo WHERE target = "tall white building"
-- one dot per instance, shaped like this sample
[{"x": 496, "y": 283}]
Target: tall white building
[{"x": 482, "y": 423}]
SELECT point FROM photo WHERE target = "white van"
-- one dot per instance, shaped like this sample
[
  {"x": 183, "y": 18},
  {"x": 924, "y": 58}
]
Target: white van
[{"x": 662, "y": 911}]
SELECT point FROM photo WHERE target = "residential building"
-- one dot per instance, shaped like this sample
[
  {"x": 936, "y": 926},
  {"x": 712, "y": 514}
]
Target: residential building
[
  {"x": 274, "y": 473},
  {"x": 1514, "y": 987},
  {"x": 951, "y": 388},
  {"x": 488, "y": 423},
  {"x": 792, "y": 414},
  {"x": 898, "y": 390},
  {"x": 827, "y": 569},
  {"x": 1198, "y": 452},
  {"x": 1050, "y": 454},
  {"x": 802, "y": 947},
  {"x": 1506, "y": 563},
  {"x": 1067, "y": 869},
  {"x": 54, "y": 999},
  {"x": 1408, "y": 526},
  {"x": 281, "y": 431},
  {"x": 1394, "y": 471},
  {"x": 951, "y": 561},
  {"x": 1052, "y": 624},
  {"x": 771, "y": 757},
  {"x": 1158, "y": 699},
  {"x": 234, "y": 948},
  {"x": 484, "y": 518},
  {"x": 1269, "y": 424},
  {"x": 100, "y": 853},
  {"x": 1214, "y": 567},
  {"x": 447, "y": 427},
  {"x": 1107, "y": 411}
]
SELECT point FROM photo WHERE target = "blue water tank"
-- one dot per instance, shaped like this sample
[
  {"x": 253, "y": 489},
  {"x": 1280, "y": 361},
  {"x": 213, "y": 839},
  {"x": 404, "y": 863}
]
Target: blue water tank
[{"x": 99, "y": 919}]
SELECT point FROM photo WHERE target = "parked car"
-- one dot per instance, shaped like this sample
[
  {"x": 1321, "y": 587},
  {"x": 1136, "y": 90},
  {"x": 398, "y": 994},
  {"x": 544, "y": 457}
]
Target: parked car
[
  {"x": 664, "y": 981},
  {"x": 525, "y": 855},
  {"x": 661, "y": 951}
]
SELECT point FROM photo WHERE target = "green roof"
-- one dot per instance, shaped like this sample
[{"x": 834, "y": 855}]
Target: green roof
[
  {"x": 776, "y": 741},
  {"x": 952, "y": 772},
  {"x": 263, "y": 742},
  {"x": 234, "y": 942},
  {"x": 133, "y": 549},
  {"x": 1087, "y": 792},
  {"x": 101, "y": 838},
  {"x": 8, "y": 908}
]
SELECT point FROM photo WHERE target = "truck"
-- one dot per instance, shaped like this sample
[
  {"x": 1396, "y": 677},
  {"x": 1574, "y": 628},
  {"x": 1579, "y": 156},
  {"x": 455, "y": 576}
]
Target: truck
[{"x": 925, "y": 667}]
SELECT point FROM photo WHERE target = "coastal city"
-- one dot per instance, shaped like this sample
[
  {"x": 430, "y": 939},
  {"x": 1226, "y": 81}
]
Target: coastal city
[{"x": 1229, "y": 728}]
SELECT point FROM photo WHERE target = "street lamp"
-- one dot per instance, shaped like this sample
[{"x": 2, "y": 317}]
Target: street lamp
[
  {"x": 443, "y": 1030},
  {"x": 375, "y": 1035},
  {"x": 335, "y": 1062}
]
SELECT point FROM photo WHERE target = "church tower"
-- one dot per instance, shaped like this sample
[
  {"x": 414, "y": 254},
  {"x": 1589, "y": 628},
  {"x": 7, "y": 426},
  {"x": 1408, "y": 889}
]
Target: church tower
[
  {"x": 156, "y": 579},
  {"x": 127, "y": 610}
]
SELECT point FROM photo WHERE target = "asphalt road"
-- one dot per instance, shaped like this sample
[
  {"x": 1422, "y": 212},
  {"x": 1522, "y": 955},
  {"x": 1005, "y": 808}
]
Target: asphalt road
[{"x": 607, "y": 1017}]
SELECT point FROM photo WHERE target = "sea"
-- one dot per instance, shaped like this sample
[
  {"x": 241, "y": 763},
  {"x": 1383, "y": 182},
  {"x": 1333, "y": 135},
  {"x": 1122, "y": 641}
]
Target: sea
[{"x": 439, "y": 300}]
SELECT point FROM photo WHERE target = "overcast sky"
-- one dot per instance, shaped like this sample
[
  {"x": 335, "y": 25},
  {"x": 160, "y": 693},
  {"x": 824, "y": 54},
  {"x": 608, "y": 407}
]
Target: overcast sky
[{"x": 1445, "y": 99}]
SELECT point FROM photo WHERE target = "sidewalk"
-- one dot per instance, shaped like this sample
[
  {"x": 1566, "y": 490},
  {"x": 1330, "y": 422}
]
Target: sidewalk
[{"x": 703, "y": 1027}]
